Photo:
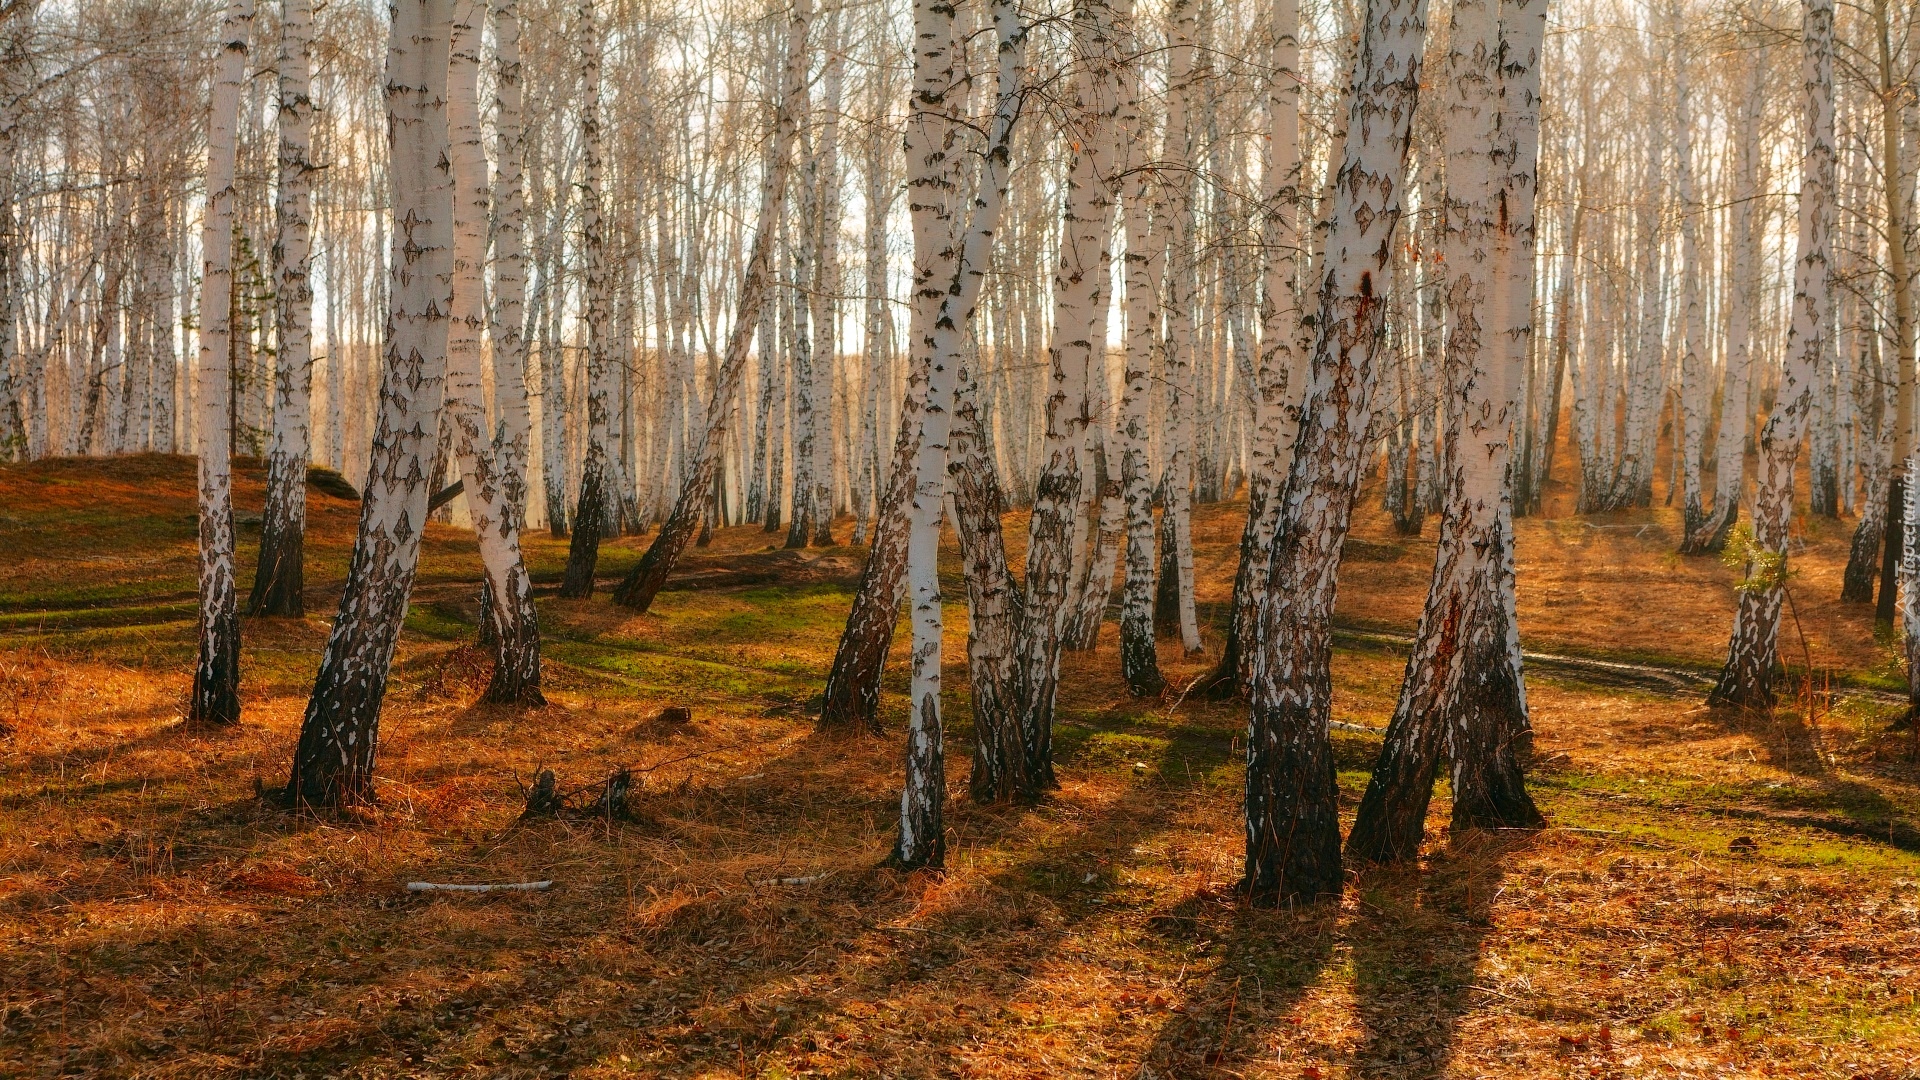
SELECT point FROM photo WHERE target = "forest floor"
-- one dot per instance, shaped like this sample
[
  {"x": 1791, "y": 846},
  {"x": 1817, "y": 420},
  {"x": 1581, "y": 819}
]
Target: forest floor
[{"x": 1717, "y": 894}]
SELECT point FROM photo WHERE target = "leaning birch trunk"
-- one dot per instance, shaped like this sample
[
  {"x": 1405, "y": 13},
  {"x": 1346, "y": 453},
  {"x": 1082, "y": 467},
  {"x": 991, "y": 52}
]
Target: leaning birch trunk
[
  {"x": 1292, "y": 808},
  {"x": 216, "y": 675},
  {"x": 278, "y": 582},
  {"x": 596, "y": 472},
  {"x": 1462, "y": 686},
  {"x": 1730, "y": 444},
  {"x": 1079, "y": 299},
  {"x": 690, "y": 509},
  {"x": 1752, "y": 652},
  {"x": 1139, "y": 654},
  {"x": 1279, "y": 325},
  {"x": 994, "y": 603},
  {"x": 333, "y": 763},
  {"x": 514, "y": 630},
  {"x": 852, "y": 698},
  {"x": 922, "y": 840},
  {"x": 511, "y": 443}
]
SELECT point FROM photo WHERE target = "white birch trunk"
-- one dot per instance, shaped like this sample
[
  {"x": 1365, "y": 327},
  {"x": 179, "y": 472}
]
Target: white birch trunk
[
  {"x": 1293, "y": 827},
  {"x": 922, "y": 839},
  {"x": 1079, "y": 302},
  {"x": 597, "y": 475},
  {"x": 1747, "y": 678},
  {"x": 216, "y": 677},
  {"x": 1139, "y": 657},
  {"x": 278, "y": 582},
  {"x": 511, "y": 407},
  {"x": 333, "y": 763},
  {"x": 515, "y": 631},
  {"x": 1730, "y": 443}
]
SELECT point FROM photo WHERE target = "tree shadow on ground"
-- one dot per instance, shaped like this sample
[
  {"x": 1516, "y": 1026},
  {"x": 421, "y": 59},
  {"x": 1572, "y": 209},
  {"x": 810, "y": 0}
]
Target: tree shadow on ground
[
  {"x": 1262, "y": 961},
  {"x": 1416, "y": 944}
]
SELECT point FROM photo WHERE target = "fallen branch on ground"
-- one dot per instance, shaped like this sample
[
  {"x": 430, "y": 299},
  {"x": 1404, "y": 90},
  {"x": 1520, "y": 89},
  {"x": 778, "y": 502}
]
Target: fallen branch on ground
[{"x": 515, "y": 886}]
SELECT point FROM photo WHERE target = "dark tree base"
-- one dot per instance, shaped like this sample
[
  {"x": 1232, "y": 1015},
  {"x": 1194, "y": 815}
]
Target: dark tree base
[
  {"x": 583, "y": 554},
  {"x": 215, "y": 698}
]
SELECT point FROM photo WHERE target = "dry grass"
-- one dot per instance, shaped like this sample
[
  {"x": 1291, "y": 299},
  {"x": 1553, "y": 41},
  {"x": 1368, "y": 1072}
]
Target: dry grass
[{"x": 1720, "y": 896}]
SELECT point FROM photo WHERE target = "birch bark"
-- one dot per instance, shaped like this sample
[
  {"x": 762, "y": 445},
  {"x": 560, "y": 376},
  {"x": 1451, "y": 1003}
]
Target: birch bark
[
  {"x": 278, "y": 582},
  {"x": 1080, "y": 299},
  {"x": 511, "y": 407},
  {"x": 1730, "y": 443},
  {"x": 1139, "y": 654},
  {"x": 333, "y": 762},
  {"x": 514, "y": 630},
  {"x": 1752, "y": 652},
  {"x": 922, "y": 839},
  {"x": 1292, "y": 812},
  {"x": 216, "y": 675},
  {"x": 597, "y": 490},
  {"x": 852, "y": 696},
  {"x": 1272, "y": 441}
]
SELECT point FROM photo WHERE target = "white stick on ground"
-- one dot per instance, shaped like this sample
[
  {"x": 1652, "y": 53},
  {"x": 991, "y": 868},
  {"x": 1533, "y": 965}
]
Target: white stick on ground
[{"x": 512, "y": 886}]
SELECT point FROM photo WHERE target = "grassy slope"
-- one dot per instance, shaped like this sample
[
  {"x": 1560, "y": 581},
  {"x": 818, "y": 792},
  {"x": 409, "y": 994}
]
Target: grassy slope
[{"x": 155, "y": 920}]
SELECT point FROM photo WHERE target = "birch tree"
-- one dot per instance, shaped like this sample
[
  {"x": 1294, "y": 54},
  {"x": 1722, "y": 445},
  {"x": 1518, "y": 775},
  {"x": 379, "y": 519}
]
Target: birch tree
[
  {"x": 279, "y": 581},
  {"x": 1292, "y": 813},
  {"x": 1752, "y": 652},
  {"x": 216, "y": 675},
  {"x": 643, "y": 582},
  {"x": 922, "y": 838},
  {"x": 334, "y": 759}
]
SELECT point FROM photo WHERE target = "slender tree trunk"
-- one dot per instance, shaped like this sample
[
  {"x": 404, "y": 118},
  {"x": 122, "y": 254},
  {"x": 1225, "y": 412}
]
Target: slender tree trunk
[
  {"x": 852, "y": 698},
  {"x": 994, "y": 601},
  {"x": 513, "y": 629},
  {"x": 511, "y": 445},
  {"x": 1279, "y": 325},
  {"x": 1730, "y": 447},
  {"x": 1695, "y": 392},
  {"x": 1752, "y": 653},
  {"x": 597, "y": 485},
  {"x": 1293, "y": 826},
  {"x": 333, "y": 763},
  {"x": 1139, "y": 655},
  {"x": 1176, "y": 189},
  {"x": 216, "y": 675},
  {"x": 922, "y": 839},
  {"x": 1897, "y": 170},
  {"x": 1080, "y": 298},
  {"x": 643, "y": 583},
  {"x": 278, "y": 582}
]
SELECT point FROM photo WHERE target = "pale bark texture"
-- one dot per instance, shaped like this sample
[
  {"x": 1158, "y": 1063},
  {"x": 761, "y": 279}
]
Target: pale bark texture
[
  {"x": 278, "y": 582},
  {"x": 1272, "y": 441},
  {"x": 510, "y": 394},
  {"x": 333, "y": 763},
  {"x": 922, "y": 839},
  {"x": 1139, "y": 657},
  {"x": 597, "y": 488},
  {"x": 216, "y": 675},
  {"x": 1752, "y": 652},
  {"x": 512, "y": 628},
  {"x": 852, "y": 698},
  {"x": 1292, "y": 810},
  {"x": 1730, "y": 443},
  {"x": 1079, "y": 303}
]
